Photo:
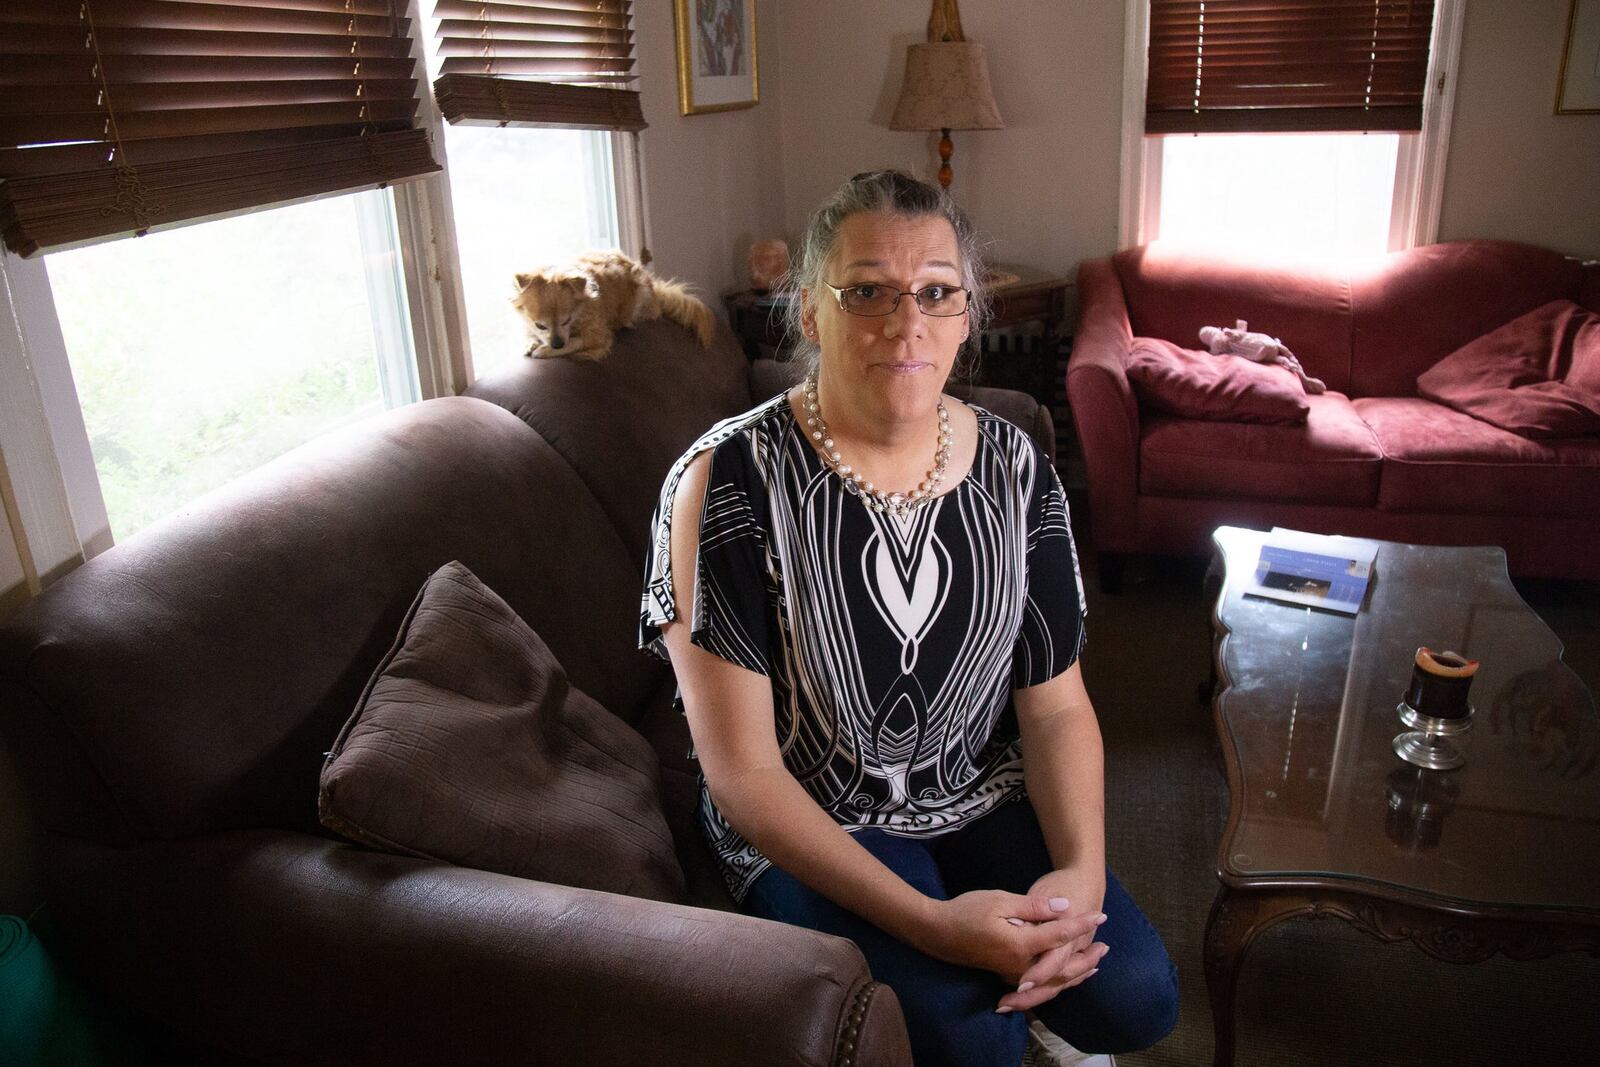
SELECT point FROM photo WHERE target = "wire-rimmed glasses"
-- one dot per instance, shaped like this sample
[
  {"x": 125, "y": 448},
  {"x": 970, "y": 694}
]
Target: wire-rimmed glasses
[{"x": 872, "y": 300}]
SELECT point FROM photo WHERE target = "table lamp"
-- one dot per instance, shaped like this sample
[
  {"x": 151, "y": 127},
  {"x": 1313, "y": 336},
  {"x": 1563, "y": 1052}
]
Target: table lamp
[{"x": 946, "y": 85}]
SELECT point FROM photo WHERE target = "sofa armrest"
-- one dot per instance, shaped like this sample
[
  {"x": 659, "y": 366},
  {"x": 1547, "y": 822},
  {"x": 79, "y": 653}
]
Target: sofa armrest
[
  {"x": 1104, "y": 408},
  {"x": 290, "y": 948}
]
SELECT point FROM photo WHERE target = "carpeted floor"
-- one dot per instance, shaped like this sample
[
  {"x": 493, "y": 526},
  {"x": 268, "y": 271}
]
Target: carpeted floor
[{"x": 1313, "y": 992}]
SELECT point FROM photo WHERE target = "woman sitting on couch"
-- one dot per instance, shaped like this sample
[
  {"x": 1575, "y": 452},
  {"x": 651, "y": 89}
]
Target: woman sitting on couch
[{"x": 874, "y": 613}]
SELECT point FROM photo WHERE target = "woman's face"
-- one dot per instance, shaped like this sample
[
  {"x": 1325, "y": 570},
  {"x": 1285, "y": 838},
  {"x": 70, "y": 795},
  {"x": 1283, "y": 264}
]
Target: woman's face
[{"x": 893, "y": 366}]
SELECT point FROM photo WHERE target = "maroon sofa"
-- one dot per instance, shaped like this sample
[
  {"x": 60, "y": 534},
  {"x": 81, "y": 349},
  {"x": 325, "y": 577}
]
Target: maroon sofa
[
  {"x": 169, "y": 703},
  {"x": 1372, "y": 459}
]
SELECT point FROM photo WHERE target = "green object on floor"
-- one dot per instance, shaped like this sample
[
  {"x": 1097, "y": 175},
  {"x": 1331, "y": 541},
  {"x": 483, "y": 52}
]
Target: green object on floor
[
  {"x": 27, "y": 993},
  {"x": 42, "y": 1018}
]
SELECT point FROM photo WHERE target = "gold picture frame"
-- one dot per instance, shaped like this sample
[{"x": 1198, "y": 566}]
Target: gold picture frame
[
  {"x": 718, "y": 68},
  {"x": 1578, "y": 91}
]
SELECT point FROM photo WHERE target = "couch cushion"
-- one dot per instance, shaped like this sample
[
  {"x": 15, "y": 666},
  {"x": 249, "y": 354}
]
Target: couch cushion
[
  {"x": 1199, "y": 385},
  {"x": 1332, "y": 459},
  {"x": 1171, "y": 293},
  {"x": 621, "y": 421},
  {"x": 469, "y": 746},
  {"x": 194, "y": 673},
  {"x": 1440, "y": 460},
  {"x": 1411, "y": 309},
  {"x": 1538, "y": 375}
]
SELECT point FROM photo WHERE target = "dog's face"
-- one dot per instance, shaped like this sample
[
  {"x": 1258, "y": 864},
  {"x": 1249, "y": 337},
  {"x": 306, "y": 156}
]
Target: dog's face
[{"x": 550, "y": 303}]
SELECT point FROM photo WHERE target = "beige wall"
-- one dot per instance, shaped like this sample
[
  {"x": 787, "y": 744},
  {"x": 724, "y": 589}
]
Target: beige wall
[
  {"x": 1044, "y": 188},
  {"x": 713, "y": 181},
  {"x": 1517, "y": 170}
]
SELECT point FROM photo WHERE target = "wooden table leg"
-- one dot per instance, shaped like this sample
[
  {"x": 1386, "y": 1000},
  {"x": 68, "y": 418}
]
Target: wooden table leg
[{"x": 1237, "y": 917}]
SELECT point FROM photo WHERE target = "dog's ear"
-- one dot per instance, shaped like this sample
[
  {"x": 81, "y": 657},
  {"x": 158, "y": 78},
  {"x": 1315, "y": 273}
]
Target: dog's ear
[
  {"x": 522, "y": 281},
  {"x": 578, "y": 283}
]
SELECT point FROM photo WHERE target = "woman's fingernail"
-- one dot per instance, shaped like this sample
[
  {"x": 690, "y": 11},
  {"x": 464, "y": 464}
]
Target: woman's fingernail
[
  {"x": 1024, "y": 987},
  {"x": 1002, "y": 1009},
  {"x": 1092, "y": 973},
  {"x": 1058, "y": 903},
  {"x": 1098, "y": 919},
  {"x": 1014, "y": 921}
]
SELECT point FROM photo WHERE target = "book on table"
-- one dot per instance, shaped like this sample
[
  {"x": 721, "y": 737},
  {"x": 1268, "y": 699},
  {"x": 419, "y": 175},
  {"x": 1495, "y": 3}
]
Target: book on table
[{"x": 1317, "y": 570}]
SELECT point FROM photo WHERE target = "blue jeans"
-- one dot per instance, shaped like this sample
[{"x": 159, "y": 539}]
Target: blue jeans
[{"x": 1130, "y": 1004}]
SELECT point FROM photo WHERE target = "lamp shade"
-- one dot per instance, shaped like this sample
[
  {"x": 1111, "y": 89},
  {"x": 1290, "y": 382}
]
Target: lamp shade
[{"x": 946, "y": 88}]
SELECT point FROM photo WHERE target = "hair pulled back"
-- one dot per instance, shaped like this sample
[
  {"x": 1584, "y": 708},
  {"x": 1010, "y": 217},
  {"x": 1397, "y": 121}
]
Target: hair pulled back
[{"x": 889, "y": 192}]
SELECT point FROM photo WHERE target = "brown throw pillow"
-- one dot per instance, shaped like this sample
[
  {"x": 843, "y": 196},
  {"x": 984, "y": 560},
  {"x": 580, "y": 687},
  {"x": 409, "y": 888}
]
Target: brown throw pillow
[
  {"x": 1538, "y": 375},
  {"x": 470, "y": 746},
  {"x": 1198, "y": 385}
]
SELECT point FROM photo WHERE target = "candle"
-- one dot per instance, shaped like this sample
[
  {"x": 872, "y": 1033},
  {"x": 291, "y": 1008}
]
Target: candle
[{"x": 1439, "y": 684}]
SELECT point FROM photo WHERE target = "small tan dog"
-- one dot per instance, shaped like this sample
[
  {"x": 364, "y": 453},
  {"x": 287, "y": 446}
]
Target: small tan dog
[{"x": 574, "y": 310}]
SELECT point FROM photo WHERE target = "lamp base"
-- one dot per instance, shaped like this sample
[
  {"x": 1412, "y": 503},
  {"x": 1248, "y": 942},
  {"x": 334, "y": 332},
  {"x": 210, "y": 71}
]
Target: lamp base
[{"x": 947, "y": 149}]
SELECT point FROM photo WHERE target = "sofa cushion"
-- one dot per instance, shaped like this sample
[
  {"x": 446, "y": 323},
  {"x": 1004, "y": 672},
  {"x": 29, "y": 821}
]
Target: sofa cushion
[
  {"x": 1538, "y": 375},
  {"x": 1411, "y": 309},
  {"x": 1199, "y": 385},
  {"x": 189, "y": 678},
  {"x": 1172, "y": 292},
  {"x": 470, "y": 746},
  {"x": 1332, "y": 459},
  {"x": 1440, "y": 460}
]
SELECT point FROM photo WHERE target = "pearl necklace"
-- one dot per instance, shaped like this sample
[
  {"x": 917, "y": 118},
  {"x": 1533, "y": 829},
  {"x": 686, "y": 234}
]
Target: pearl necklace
[{"x": 897, "y": 504}]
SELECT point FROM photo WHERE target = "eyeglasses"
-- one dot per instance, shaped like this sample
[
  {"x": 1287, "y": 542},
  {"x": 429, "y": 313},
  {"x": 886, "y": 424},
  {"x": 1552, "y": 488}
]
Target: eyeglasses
[{"x": 940, "y": 301}]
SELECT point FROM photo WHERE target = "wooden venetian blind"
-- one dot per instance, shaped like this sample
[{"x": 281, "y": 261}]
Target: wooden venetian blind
[
  {"x": 554, "y": 63},
  {"x": 119, "y": 115},
  {"x": 1259, "y": 66}
]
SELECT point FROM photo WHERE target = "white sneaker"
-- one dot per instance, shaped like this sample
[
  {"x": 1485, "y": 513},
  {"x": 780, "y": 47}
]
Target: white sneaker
[{"x": 1045, "y": 1049}]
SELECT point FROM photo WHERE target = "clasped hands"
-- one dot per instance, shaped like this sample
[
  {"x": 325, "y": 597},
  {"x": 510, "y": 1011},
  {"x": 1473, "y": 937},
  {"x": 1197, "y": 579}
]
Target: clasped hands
[{"x": 1042, "y": 942}]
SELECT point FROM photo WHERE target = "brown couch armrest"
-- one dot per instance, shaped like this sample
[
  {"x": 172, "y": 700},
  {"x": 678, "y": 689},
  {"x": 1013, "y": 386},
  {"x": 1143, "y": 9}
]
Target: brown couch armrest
[
  {"x": 1104, "y": 408},
  {"x": 290, "y": 948}
]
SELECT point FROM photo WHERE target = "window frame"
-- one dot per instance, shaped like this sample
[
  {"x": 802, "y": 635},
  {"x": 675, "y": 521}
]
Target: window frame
[
  {"x": 1419, "y": 167},
  {"x": 43, "y": 439}
]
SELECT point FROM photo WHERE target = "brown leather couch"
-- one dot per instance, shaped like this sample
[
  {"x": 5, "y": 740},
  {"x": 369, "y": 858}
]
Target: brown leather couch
[
  {"x": 169, "y": 704},
  {"x": 1373, "y": 459}
]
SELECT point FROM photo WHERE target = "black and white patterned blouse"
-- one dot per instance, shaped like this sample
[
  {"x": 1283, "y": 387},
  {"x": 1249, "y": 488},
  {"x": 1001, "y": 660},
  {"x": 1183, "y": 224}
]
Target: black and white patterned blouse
[{"x": 893, "y": 645}]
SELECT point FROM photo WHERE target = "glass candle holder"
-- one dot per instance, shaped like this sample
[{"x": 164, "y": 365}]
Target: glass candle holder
[{"x": 1436, "y": 710}]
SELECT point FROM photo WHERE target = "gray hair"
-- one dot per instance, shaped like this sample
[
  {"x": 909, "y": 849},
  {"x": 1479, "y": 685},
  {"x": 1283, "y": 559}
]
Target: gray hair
[{"x": 890, "y": 192}]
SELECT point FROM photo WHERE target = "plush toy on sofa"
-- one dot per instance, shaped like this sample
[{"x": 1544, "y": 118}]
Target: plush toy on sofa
[{"x": 1237, "y": 340}]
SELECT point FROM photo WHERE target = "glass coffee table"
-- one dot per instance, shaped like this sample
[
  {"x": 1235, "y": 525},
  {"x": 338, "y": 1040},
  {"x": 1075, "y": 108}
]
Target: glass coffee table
[{"x": 1501, "y": 855}]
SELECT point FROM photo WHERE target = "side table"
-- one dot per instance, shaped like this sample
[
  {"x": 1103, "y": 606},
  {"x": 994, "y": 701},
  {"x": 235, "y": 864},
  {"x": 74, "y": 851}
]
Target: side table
[
  {"x": 758, "y": 320},
  {"x": 1024, "y": 346},
  {"x": 1036, "y": 296}
]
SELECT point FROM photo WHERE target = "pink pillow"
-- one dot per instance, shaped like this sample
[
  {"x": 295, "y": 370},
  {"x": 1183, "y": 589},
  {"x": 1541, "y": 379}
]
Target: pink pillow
[
  {"x": 1198, "y": 385},
  {"x": 1538, "y": 375}
]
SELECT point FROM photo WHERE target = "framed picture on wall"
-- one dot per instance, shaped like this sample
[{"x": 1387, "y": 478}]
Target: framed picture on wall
[
  {"x": 1579, "y": 93},
  {"x": 716, "y": 55}
]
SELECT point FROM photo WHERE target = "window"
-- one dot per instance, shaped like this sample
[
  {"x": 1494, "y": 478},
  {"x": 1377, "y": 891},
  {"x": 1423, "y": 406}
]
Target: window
[
  {"x": 202, "y": 352},
  {"x": 220, "y": 340},
  {"x": 526, "y": 90},
  {"x": 1319, "y": 195},
  {"x": 1299, "y": 129},
  {"x": 522, "y": 198}
]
